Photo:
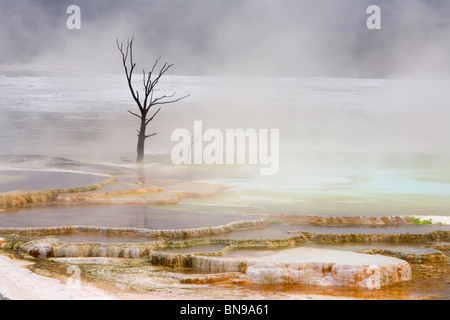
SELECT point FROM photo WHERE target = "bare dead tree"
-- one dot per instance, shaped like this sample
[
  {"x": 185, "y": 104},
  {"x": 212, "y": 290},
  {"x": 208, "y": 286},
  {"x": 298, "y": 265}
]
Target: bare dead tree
[{"x": 149, "y": 81}]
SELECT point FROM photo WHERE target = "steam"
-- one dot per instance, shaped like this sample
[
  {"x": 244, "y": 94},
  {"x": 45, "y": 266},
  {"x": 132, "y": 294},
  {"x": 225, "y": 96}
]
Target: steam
[
  {"x": 250, "y": 37},
  {"x": 264, "y": 38}
]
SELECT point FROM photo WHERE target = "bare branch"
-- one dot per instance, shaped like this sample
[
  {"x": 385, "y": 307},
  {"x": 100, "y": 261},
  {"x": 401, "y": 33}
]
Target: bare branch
[
  {"x": 170, "y": 101},
  {"x": 143, "y": 78},
  {"x": 150, "y": 135},
  {"x": 120, "y": 47},
  {"x": 147, "y": 122},
  {"x": 161, "y": 73},
  {"x": 163, "y": 97},
  {"x": 129, "y": 73},
  {"x": 134, "y": 114},
  {"x": 156, "y": 62},
  {"x": 130, "y": 45},
  {"x": 150, "y": 85}
]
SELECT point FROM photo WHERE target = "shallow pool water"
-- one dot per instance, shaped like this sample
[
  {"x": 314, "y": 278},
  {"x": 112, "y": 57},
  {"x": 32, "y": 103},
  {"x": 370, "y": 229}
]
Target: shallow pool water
[
  {"x": 273, "y": 231},
  {"x": 13, "y": 180},
  {"x": 400, "y": 229},
  {"x": 157, "y": 218},
  {"x": 195, "y": 249},
  {"x": 404, "y": 247},
  {"x": 95, "y": 237},
  {"x": 130, "y": 216},
  {"x": 355, "y": 192}
]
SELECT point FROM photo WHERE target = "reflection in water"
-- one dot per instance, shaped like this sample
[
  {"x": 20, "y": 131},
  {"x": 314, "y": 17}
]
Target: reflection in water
[{"x": 140, "y": 169}]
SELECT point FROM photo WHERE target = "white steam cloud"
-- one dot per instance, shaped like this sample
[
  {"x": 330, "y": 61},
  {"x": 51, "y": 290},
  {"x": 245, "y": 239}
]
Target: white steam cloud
[{"x": 250, "y": 37}]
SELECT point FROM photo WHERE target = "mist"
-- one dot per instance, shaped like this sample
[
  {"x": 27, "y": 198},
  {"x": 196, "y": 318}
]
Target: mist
[
  {"x": 268, "y": 65},
  {"x": 249, "y": 37}
]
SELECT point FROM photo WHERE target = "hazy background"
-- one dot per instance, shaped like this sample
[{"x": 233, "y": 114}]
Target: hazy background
[
  {"x": 361, "y": 113},
  {"x": 217, "y": 37},
  {"x": 82, "y": 109}
]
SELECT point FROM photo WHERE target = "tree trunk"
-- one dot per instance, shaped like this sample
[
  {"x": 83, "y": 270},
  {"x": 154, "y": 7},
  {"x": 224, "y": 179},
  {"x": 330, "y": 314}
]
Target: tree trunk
[{"x": 141, "y": 142}]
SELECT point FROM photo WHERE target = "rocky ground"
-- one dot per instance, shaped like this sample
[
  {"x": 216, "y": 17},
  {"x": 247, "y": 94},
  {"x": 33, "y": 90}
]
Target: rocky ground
[{"x": 174, "y": 264}]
